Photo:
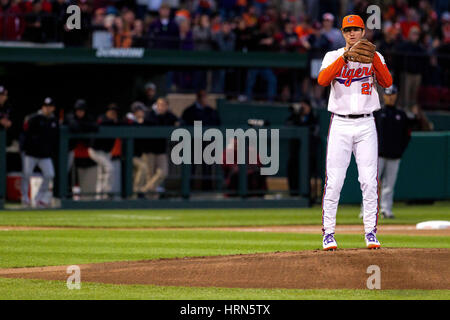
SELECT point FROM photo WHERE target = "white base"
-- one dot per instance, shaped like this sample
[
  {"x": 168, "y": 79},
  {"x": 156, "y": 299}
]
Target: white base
[{"x": 433, "y": 225}]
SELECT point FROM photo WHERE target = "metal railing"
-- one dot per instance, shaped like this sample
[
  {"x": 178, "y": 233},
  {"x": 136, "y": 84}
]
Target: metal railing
[{"x": 128, "y": 134}]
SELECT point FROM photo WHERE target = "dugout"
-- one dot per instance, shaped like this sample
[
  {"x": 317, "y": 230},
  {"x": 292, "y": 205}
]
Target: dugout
[{"x": 103, "y": 76}]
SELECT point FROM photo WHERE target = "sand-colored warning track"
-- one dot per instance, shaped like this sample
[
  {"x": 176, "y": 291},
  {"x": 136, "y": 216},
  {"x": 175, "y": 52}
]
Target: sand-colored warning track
[{"x": 401, "y": 268}]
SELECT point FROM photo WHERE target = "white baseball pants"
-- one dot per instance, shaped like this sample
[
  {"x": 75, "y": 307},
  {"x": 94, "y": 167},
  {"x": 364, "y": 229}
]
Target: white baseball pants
[
  {"x": 347, "y": 136},
  {"x": 48, "y": 173},
  {"x": 104, "y": 172},
  {"x": 387, "y": 173}
]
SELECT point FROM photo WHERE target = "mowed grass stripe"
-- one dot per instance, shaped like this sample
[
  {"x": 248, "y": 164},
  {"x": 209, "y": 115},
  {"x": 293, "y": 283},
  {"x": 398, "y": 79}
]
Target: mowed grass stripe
[
  {"x": 56, "y": 290},
  {"x": 64, "y": 247},
  {"x": 405, "y": 214}
]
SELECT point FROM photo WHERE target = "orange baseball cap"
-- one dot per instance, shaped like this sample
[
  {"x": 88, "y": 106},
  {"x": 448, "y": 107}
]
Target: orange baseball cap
[{"x": 353, "y": 20}]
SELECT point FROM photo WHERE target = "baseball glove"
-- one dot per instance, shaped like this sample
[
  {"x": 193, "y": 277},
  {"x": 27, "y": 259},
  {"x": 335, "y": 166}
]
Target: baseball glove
[{"x": 362, "y": 51}]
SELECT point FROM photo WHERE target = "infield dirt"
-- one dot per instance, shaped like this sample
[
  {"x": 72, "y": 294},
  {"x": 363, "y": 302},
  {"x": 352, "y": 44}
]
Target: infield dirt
[{"x": 401, "y": 268}]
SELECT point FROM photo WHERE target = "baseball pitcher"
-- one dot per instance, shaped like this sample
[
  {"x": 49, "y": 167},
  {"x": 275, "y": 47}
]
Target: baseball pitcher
[{"x": 352, "y": 72}]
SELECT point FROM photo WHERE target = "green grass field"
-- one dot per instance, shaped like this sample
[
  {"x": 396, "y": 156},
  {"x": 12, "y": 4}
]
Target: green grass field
[
  {"x": 211, "y": 218},
  {"x": 26, "y": 248}
]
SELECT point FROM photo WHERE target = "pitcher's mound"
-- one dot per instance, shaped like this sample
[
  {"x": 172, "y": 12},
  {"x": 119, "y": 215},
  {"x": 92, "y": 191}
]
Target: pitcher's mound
[{"x": 400, "y": 269}]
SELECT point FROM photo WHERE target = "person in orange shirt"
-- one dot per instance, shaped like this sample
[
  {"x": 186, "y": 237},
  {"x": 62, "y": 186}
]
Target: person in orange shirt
[{"x": 304, "y": 29}]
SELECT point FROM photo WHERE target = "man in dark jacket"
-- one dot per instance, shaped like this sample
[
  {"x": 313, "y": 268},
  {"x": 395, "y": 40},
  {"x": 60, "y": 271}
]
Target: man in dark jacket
[
  {"x": 200, "y": 111},
  {"x": 164, "y": 32},
  {"x": 137, "y": 118},
  {"x": 302, "y": 115},
  {"x": 155, "y": 152},
  {"x": 79, "y": 121},
  {"x": 411, "y": 63},
  {"x": 263, "y": 41},
  {"x": 101, "y": 150},
  {"x": 40, "y": 143},
  {"x": 393, "y": 128},
  {"x": 6, "y": 120}
]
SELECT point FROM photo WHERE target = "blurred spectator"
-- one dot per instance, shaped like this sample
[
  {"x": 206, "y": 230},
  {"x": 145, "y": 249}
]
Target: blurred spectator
[
  {"x": 192, "y": 78},
  {"x": 164, "y": 32},
  {"x": 155, "y": 154},
  {"x": 289, "y": 40},
  {"x": 186, "y": 37},
  {"x": 154, "y": 5},
  {"x": 226, "y": 8},
  {"x": 394, "y": 134},
  {"x": 250, "y": 17},
  {"x": 124, "y": 29},
  {"x": 263, "y": 41},
  {"x": 388, "y": 45},
  {"x": 256, "y": 183},
  {"x": 40, "y": 143},
  {"x": 79, "y": 121},
  {"x": 101, "y": 153},
  {"x": 98, "y": 19},
  {"x": 141, "y": 8},
  {"x": 317, "y": 44},
  {"x": 150, "y": 95},
  {"x": 204, "y": 7},
  {"x": 225, "y": 40},
  {"x": 201, "y": 111},
  {"x": 122, "y": 37},
  {"x": 216, "y": 23},
  {"x": 12, "y": 24},
  {"x": 241, "y": 6},
  {"x": 7, "y": 121},
  {"x": 285, "y": 95},
  {"x": 421, "y": 122},
  {"x": 244, "y": 35},
  {"x": 303, "y": 116},
  {"x": 202, "y": 34},
  {"x": 293, "y": 7},
  {"x": 411, "y": 66},
  {"x": 261, "y": 6},
  {"x": 445, "y": 28},
  {"x": 38, "y": 23},
  {"x": 412, "y": 20},
  {"x": 334, "y": 35},
  {"x": 80, "y": 37},
  {"x": 141, "y": 175},
  {"x": 138, "y": 37},
  {"x": 182, "y": 15},
  {"x": 303, "y": 29},
  {"x": 5, "y": 111},
  {"x": 102, "y": 29}
]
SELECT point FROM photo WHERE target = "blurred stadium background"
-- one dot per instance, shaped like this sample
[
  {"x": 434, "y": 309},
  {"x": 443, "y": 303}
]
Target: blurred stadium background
[{"x": 254, "y": 62}]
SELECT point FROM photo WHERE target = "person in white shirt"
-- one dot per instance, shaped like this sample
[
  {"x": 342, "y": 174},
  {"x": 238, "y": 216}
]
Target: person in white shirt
[{"x": 353, "y": 98}]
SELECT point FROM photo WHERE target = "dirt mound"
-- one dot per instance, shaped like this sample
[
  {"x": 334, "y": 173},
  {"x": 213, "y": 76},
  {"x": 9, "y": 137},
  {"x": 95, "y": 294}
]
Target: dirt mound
[{"x": 400, "y": 269}]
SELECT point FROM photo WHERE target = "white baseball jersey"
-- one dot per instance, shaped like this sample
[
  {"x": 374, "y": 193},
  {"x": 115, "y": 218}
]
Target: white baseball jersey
[{"x": 354, "y": 90}]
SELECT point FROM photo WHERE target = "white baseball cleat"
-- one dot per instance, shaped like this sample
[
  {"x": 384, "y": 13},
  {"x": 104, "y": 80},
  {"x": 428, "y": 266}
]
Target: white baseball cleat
[
  {"x": 372, "y": 241},
  {"x": 329, "y": 244}
]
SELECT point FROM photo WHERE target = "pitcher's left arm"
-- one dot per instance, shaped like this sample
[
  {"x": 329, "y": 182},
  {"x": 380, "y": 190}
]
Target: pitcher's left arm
[{"x": 382, "y": 73}]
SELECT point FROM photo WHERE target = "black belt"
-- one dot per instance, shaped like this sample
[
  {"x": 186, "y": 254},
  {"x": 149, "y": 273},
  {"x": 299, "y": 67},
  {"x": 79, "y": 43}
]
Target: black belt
[{"x": 354, "y": 116}]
